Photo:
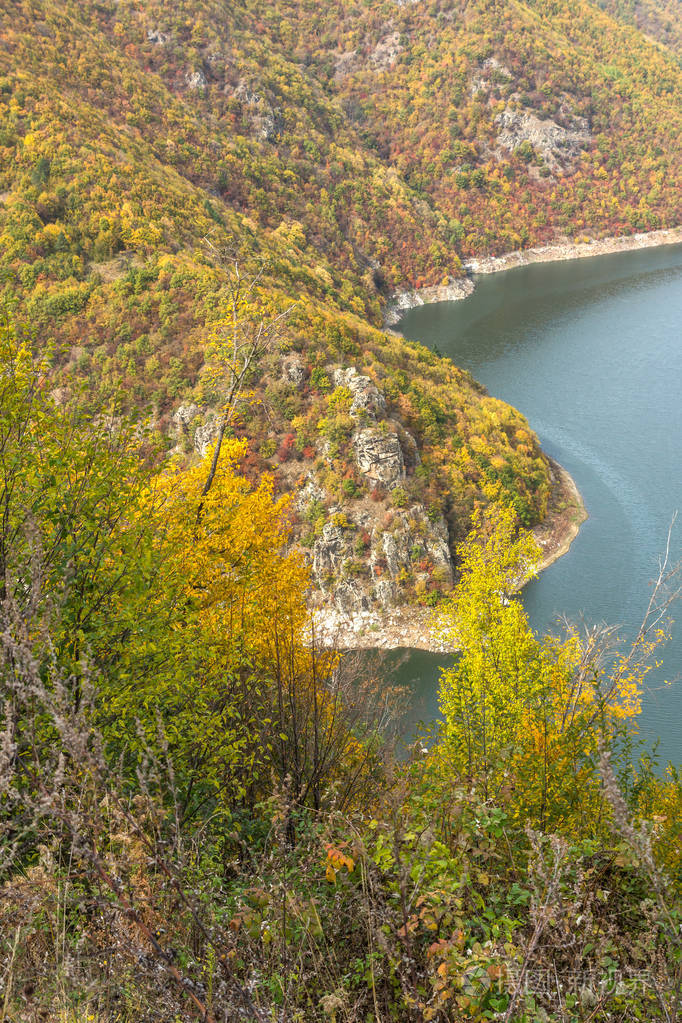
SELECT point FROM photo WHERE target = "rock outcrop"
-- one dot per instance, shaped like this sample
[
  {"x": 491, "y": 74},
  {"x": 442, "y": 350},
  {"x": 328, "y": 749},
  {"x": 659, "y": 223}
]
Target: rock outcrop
[
  {"x": 294, "y": 370},
  {"x": 559, "y": 146},
  {"x": 386, "y": 52},
  {"x": 193, "y": 428},
  {"x": 196, "y": 80},
  {"x": 413, "y": 549},
  {"x": 329, "y": 554},
  {"x": 489, "y": 74},
  {"x": 367, "y": 398},
  {"x": 265, "y": 118},
  {"x": 346, "y": 64},
  {"x": 184, "y": 415},
  {"x": 414, "y": 540},
  {"x": 309, "y": 492},
  {"x": 379, "y": 456},
  {"x": 374, "y": 549},
  {"x": 399, "y": 303}
]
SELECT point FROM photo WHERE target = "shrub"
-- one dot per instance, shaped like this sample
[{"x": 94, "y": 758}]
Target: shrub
[
  {"x": 287, "y": 448},
  {"x": 398, "y": 497}
]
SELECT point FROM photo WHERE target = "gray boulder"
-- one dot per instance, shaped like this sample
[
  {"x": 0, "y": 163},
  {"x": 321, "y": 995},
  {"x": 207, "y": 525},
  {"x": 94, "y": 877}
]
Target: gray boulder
[
  {"x": 196, "y": 80},
  {"x": 156, "y": 37},
  {"x": 294, "y": 370},
  {"x": 367, "y": 398},
  {"x": 379, "y": 456}
]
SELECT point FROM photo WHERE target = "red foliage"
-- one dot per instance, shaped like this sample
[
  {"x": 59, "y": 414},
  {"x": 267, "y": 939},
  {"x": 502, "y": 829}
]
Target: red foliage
[{"x": 286, "y": 448}]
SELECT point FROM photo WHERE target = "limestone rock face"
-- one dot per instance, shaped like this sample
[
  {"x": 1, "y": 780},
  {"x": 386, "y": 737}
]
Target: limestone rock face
[
  {"x": 403, "y": 300},
  {"x": 385, "y": 592},
  {"x": 268, "y": 125},
  {"x": 349, "y": 598},
  {"x": 182, "y": 425},
  {"x": 294, "y": 370},
  {"x": 329, "y": 553},
  {"x": 379, "y": 456},
  {"x": 413, "y": 539},
  {"x": 266, "y": 120},
  {"x": 558, "y": 145},
  {"x": 156, "y": 37},
  {"x": 310, "y": 491},
  {"x": 183, "y": 416},
  {"x": 246, "y": 94},
  {"x": 346, "y": 64},
  {"x": 202, "y": 435},
  {"x": 386, "y": 51},
  {"x": 367, "y": 398},
  {"x": 205, "y": 434},
  {"x": 410, "y": 449},
  {"x": 195, "y": 80},
  {"x": 414, "y": 550}
]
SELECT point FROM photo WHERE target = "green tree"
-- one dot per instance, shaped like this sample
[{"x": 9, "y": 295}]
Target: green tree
[
  {"x": 525, "y": 715},
  {"x": 68, "y": 485}
]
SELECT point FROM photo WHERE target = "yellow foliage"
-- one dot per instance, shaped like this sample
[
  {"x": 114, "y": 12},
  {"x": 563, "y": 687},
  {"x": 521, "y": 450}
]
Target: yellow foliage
[
  {"x": 227, "y": 549},
  {"x": 524, "y": 715}
]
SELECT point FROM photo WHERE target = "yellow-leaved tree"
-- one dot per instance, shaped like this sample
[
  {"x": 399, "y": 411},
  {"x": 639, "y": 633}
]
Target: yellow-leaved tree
[
  {"x": 221, "y": 674},
  {"x": 525, "y": 716}
]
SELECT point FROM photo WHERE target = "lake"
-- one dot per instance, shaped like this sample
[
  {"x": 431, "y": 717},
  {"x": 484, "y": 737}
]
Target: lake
[{"x": 590, "y": 351}]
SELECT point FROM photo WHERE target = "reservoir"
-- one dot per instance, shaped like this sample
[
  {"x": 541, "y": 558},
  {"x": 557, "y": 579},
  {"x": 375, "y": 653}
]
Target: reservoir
[{"x": 590, "y": 351}]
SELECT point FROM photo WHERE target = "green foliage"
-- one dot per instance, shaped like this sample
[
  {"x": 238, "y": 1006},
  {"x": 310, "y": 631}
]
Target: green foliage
[
  {"x": 211, "y": 794},
  {"x": 68, "y": 484},
  {"x": 241, "y": 772},
  {"x": 525, "y": 714}
]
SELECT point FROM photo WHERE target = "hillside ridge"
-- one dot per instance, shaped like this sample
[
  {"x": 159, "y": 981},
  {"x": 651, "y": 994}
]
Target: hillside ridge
[{"x": 340, "y": 156}]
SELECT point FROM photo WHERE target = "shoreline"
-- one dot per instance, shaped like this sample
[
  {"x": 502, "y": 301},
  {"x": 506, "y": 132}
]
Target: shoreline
[
  {"x": 461, "y": 287},
  {"x": 415, "y": 627}
]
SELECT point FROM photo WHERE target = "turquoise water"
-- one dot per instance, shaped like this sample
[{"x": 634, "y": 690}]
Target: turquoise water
[{"x": 591, "y": 352}]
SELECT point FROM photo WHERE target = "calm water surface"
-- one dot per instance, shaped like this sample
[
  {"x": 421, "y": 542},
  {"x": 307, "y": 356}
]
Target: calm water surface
[{"x": 591, "y": 352}]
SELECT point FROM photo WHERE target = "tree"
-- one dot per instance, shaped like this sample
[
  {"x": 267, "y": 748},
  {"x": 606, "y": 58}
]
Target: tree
[
  {"x": 222, "y": 667},
  {"x": 238, "y": 341},
  {"x": 69, "y": 482},
  {"x": 525, "y": 715}
]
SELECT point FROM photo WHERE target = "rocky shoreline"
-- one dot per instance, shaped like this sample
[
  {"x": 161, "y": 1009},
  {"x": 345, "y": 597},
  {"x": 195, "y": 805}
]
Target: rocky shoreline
[
  {"x": 456, "y": 289},
  {"x": 412, "y": 626},
  {"x": 575, "y": 250},
  {"x": 459, "y": 288}
]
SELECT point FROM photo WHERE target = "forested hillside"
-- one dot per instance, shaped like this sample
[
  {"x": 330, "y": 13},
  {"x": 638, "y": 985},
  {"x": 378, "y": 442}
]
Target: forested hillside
[
  {"x": 341, "y": 152},
  {"x": 659, "y": 19},
  {"x": 202, "y": 816},
  {"x": 205, "y": 209}
]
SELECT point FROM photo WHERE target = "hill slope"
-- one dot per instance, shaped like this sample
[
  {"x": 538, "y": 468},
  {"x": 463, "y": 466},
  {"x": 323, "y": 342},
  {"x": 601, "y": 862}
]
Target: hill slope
[
  {"x": 350, "y": 150},
  {"x": 659, "y": 19}
]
